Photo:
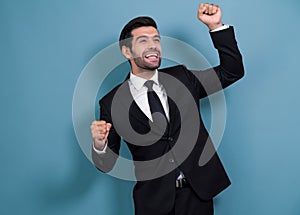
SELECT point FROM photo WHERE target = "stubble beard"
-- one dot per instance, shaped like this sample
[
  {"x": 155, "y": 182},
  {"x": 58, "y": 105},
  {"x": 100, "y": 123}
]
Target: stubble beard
[{"x": 145, "y": 65}]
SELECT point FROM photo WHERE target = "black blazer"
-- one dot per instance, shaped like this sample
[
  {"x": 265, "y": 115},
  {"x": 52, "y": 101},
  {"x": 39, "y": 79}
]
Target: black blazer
[{"x": 182, "y": 142}]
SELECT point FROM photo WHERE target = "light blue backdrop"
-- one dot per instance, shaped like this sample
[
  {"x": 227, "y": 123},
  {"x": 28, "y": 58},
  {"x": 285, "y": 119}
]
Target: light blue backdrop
[{"x": 44, "y": 45}]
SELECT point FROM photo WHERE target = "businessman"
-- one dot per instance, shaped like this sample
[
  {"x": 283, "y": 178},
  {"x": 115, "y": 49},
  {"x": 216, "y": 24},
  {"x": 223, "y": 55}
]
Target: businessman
[{"x": 156, "y": 112}]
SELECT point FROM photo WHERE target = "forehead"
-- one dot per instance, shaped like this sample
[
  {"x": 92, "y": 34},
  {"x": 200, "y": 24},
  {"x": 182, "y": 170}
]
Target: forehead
[{"x": 145, "y": 30}]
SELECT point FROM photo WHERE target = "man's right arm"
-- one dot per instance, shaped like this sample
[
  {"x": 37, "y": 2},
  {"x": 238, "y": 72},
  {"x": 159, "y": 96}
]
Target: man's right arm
[{"x": 106, "y": 141}]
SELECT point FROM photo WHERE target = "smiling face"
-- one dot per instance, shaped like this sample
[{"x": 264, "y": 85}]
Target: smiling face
[{"x": 145, "y": 53}]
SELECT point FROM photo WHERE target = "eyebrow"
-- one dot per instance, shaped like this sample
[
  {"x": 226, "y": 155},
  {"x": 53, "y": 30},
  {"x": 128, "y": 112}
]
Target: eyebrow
[{"x": 144, "y": 36}]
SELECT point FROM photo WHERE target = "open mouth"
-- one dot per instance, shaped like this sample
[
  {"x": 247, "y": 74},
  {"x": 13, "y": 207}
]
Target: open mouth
[{"x": 152, "y": 56}]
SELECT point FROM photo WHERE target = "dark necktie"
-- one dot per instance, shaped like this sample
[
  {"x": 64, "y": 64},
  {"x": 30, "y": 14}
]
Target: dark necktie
[
  {"x": 154, "y": 102},
  {"x": 156, "y": 106}
]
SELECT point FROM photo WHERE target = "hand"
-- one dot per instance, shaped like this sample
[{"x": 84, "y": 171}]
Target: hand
[
  {"x": 210, "y": 15},
  {"x": 100, "y": 130}
]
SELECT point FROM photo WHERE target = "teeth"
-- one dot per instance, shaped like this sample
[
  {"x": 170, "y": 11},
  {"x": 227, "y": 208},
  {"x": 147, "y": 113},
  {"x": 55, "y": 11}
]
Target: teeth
[{"x": 151, "y": 55}]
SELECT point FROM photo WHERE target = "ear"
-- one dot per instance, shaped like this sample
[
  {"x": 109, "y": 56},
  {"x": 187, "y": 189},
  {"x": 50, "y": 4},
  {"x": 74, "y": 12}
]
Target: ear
[{"x": 126, "y": 52}]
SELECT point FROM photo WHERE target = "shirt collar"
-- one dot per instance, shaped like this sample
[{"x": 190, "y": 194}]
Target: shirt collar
[{"x": 138, "y": 82}]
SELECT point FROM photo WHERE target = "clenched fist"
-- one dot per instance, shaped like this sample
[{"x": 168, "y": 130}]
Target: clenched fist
[
  {"x": 100, "y": 130},
  {"x": 210, "y": 15}
]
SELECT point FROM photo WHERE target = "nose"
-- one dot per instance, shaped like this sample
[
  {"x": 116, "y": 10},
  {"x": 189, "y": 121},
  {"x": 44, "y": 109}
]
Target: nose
[{"x": 152, "y": 44}]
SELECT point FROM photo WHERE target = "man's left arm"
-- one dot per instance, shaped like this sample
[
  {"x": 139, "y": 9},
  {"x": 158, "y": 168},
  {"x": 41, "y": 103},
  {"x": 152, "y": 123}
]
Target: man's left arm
[{"x": 231, "y": 67}]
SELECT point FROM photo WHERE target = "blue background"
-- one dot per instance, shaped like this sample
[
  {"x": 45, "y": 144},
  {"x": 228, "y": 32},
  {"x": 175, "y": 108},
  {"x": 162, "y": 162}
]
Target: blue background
[{"x": 46, "y": 44}]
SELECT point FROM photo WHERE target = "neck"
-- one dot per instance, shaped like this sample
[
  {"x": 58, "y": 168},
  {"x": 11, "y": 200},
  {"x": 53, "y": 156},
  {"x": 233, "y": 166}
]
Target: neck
[{"x": 143, "y": 73}]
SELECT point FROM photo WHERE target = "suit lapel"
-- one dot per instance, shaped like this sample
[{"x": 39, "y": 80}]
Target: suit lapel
[
  {"x": 173, "y": 110},
  {"x": 134, "y": 111}
]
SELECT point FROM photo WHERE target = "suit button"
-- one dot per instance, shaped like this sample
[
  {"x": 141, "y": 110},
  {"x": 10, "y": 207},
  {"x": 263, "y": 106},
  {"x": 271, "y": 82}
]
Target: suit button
[
  {"x": 170, "y": 139},
  {"x": 171, "y": 160}
]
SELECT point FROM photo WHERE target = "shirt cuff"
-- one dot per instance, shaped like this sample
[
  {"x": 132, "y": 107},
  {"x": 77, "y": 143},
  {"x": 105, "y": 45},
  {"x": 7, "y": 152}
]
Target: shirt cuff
[
  {"x": 220, "y": 28},
  {"x": 100, "y": 151}
]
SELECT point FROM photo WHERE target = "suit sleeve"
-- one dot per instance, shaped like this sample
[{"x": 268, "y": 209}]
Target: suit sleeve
[
  {"x": 227, "y": 72},
  {"x": 106, "y": 161}
]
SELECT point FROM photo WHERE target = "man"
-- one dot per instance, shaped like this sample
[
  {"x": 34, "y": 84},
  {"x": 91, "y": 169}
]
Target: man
[{"x": 166, "y": 136}]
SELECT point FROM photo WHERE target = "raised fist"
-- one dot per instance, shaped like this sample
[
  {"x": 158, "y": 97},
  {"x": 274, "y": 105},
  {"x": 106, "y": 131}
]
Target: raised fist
[
  {"x": 210, "y": 15},
  {"x": 100, "y": 130}
]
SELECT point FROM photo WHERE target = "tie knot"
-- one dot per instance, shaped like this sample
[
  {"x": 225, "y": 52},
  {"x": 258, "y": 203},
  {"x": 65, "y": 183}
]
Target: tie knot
[{"x": 149, "y": 84}]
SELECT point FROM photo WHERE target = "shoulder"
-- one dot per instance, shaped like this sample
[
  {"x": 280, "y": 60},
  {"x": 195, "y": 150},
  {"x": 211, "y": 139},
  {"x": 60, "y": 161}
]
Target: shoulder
[
  {"x": 173, "y": 69},
  {"x": 183, "y": 75},
  {"x": 107, "y": 99},
  {"x": 179, "y": 71}
]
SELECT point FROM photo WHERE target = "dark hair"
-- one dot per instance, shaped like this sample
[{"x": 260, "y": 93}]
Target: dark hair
[{"x": 141, "y": 21}]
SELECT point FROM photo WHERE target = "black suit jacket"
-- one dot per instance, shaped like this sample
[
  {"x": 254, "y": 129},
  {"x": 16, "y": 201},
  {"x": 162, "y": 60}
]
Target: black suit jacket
[{"x": 182, "y": 142}]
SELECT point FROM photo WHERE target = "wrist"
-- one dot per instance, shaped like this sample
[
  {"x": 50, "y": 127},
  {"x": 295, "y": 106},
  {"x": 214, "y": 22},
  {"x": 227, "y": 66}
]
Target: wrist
[
  {"x": 215, "y": 26},
  {"x": 99, "y": 146}
]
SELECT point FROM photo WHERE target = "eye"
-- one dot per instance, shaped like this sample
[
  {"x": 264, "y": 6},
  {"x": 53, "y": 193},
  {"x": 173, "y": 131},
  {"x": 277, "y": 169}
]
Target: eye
[
  {"x": 142, "y": 40},
  {"x": 156, "y": 39}
]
